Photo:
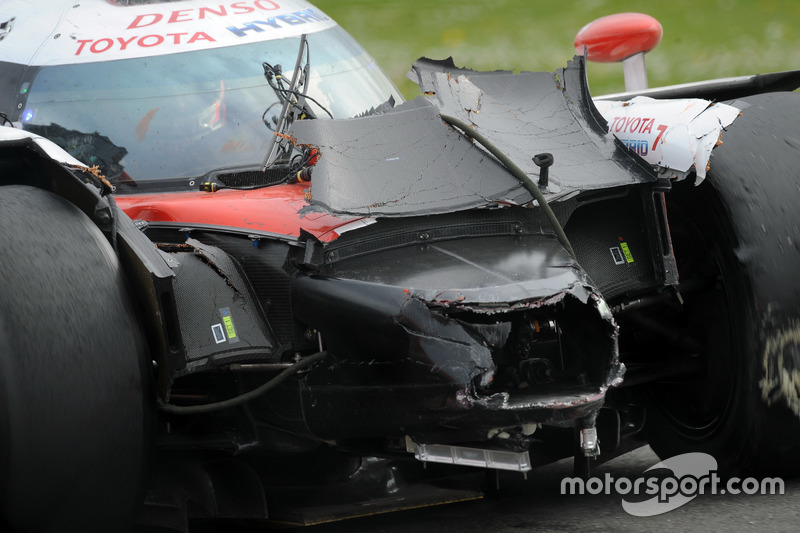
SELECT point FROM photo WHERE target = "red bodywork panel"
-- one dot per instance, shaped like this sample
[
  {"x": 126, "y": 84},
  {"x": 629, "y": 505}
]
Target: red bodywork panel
[{"x": 272, "y": 209}]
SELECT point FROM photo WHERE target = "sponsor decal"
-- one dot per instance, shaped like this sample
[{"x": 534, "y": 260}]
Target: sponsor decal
[
  {"x": 675, "y": 135},
  {"x": 101, "y": 31},
  {"x": 166, "y": 22}
]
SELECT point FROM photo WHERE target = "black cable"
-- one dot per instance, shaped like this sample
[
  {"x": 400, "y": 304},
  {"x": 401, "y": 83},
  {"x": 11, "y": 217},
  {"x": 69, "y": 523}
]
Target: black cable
[
  {"x": 300, "y": 108},
  {"x": 243, "y": 398},
  {"x": 275, "y": 81},
  {"x": 517, "y": 173},
  {"x": 264, "y": 115},
  {"x": 274, "y": 76}
]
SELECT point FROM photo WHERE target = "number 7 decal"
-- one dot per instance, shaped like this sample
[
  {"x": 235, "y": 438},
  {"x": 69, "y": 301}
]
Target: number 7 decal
[{"x": 661, "y": 129}]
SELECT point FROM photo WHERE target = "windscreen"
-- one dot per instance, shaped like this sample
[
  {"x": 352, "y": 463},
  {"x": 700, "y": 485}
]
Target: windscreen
[{"x": 177, "y": 117}]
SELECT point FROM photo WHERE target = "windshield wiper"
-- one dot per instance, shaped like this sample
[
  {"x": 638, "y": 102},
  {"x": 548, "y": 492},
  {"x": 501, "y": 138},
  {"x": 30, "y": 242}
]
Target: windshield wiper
[
  {"x": 294, "y": 98},
  {"x": 285, "y": 161}
]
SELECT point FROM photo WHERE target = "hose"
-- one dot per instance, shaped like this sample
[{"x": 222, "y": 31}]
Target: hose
[
  {"x": 517, "y": 173},
  {"x": 244, "y": 398}
]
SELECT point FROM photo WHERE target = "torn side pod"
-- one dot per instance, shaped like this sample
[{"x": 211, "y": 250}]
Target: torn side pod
[
  {"x": 459, "y": 336},
  {"x": 217, "y": 313}
]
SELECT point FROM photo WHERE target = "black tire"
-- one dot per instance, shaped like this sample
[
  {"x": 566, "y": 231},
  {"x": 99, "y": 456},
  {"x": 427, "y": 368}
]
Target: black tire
[
  {"x": 75, "y": 413},
  {"x": 741, "y": 227}
]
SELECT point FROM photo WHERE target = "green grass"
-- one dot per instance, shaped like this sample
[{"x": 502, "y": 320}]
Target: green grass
[{"x": 709, "y": 40}]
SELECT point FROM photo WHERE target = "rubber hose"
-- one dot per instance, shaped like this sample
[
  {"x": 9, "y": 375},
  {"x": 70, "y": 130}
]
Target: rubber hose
[
  {"x": 517, "y": 173},
  {"x": 247, "y": 396}
]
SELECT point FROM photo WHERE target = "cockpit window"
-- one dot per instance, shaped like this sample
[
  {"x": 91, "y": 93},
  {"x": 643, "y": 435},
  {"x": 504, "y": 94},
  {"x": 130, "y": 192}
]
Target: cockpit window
[{"x": 173, "y": 118}]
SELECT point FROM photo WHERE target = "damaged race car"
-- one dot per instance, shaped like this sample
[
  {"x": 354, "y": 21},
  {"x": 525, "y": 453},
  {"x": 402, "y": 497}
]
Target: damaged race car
[{"x": 240, "y": 269}]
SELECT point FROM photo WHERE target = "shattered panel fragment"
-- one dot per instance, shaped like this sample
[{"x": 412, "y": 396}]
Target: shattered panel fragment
[
  {"x": 407, "y": 161},
  {"x": 530, "y": 113},
  {"x": 404, "y": 162},
  {"x": 676, "y": 135}
]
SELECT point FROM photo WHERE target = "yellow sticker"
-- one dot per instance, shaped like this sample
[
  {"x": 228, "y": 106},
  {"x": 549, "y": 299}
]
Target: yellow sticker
[
  {"x": 229, "y": 327},
  {"x": 227, "y": 320},
  {"x": 627, "y": 252}
]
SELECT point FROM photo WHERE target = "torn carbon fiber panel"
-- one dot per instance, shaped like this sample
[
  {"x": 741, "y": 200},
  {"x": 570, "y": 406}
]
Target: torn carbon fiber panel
[{"x": 407, "y": 161}]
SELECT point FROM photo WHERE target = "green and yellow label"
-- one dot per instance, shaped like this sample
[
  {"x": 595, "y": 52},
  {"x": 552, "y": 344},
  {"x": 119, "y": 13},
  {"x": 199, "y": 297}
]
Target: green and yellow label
[
  {"x": 626, "y": 252},
  {"x": 229, "y": 327}
]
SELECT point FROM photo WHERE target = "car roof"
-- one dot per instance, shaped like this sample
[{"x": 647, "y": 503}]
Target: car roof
[{"x": 54, "y": 32}]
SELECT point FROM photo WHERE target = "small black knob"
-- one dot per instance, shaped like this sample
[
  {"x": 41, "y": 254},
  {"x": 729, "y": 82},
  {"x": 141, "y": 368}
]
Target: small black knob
[{"x": 543, "y": 161}]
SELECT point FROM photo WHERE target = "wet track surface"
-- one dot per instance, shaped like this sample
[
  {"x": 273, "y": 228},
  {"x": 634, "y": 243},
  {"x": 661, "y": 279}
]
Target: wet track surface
[{"x": 537, "y": 505}]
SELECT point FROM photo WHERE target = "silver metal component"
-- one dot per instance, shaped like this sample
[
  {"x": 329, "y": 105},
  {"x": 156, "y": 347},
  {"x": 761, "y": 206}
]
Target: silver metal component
[
  {"x": 258, "y": 367},
  {"x": 589, "y": 443},
  {"x": 463, "y": 456},
  {"x": 635, "y": 73}
]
